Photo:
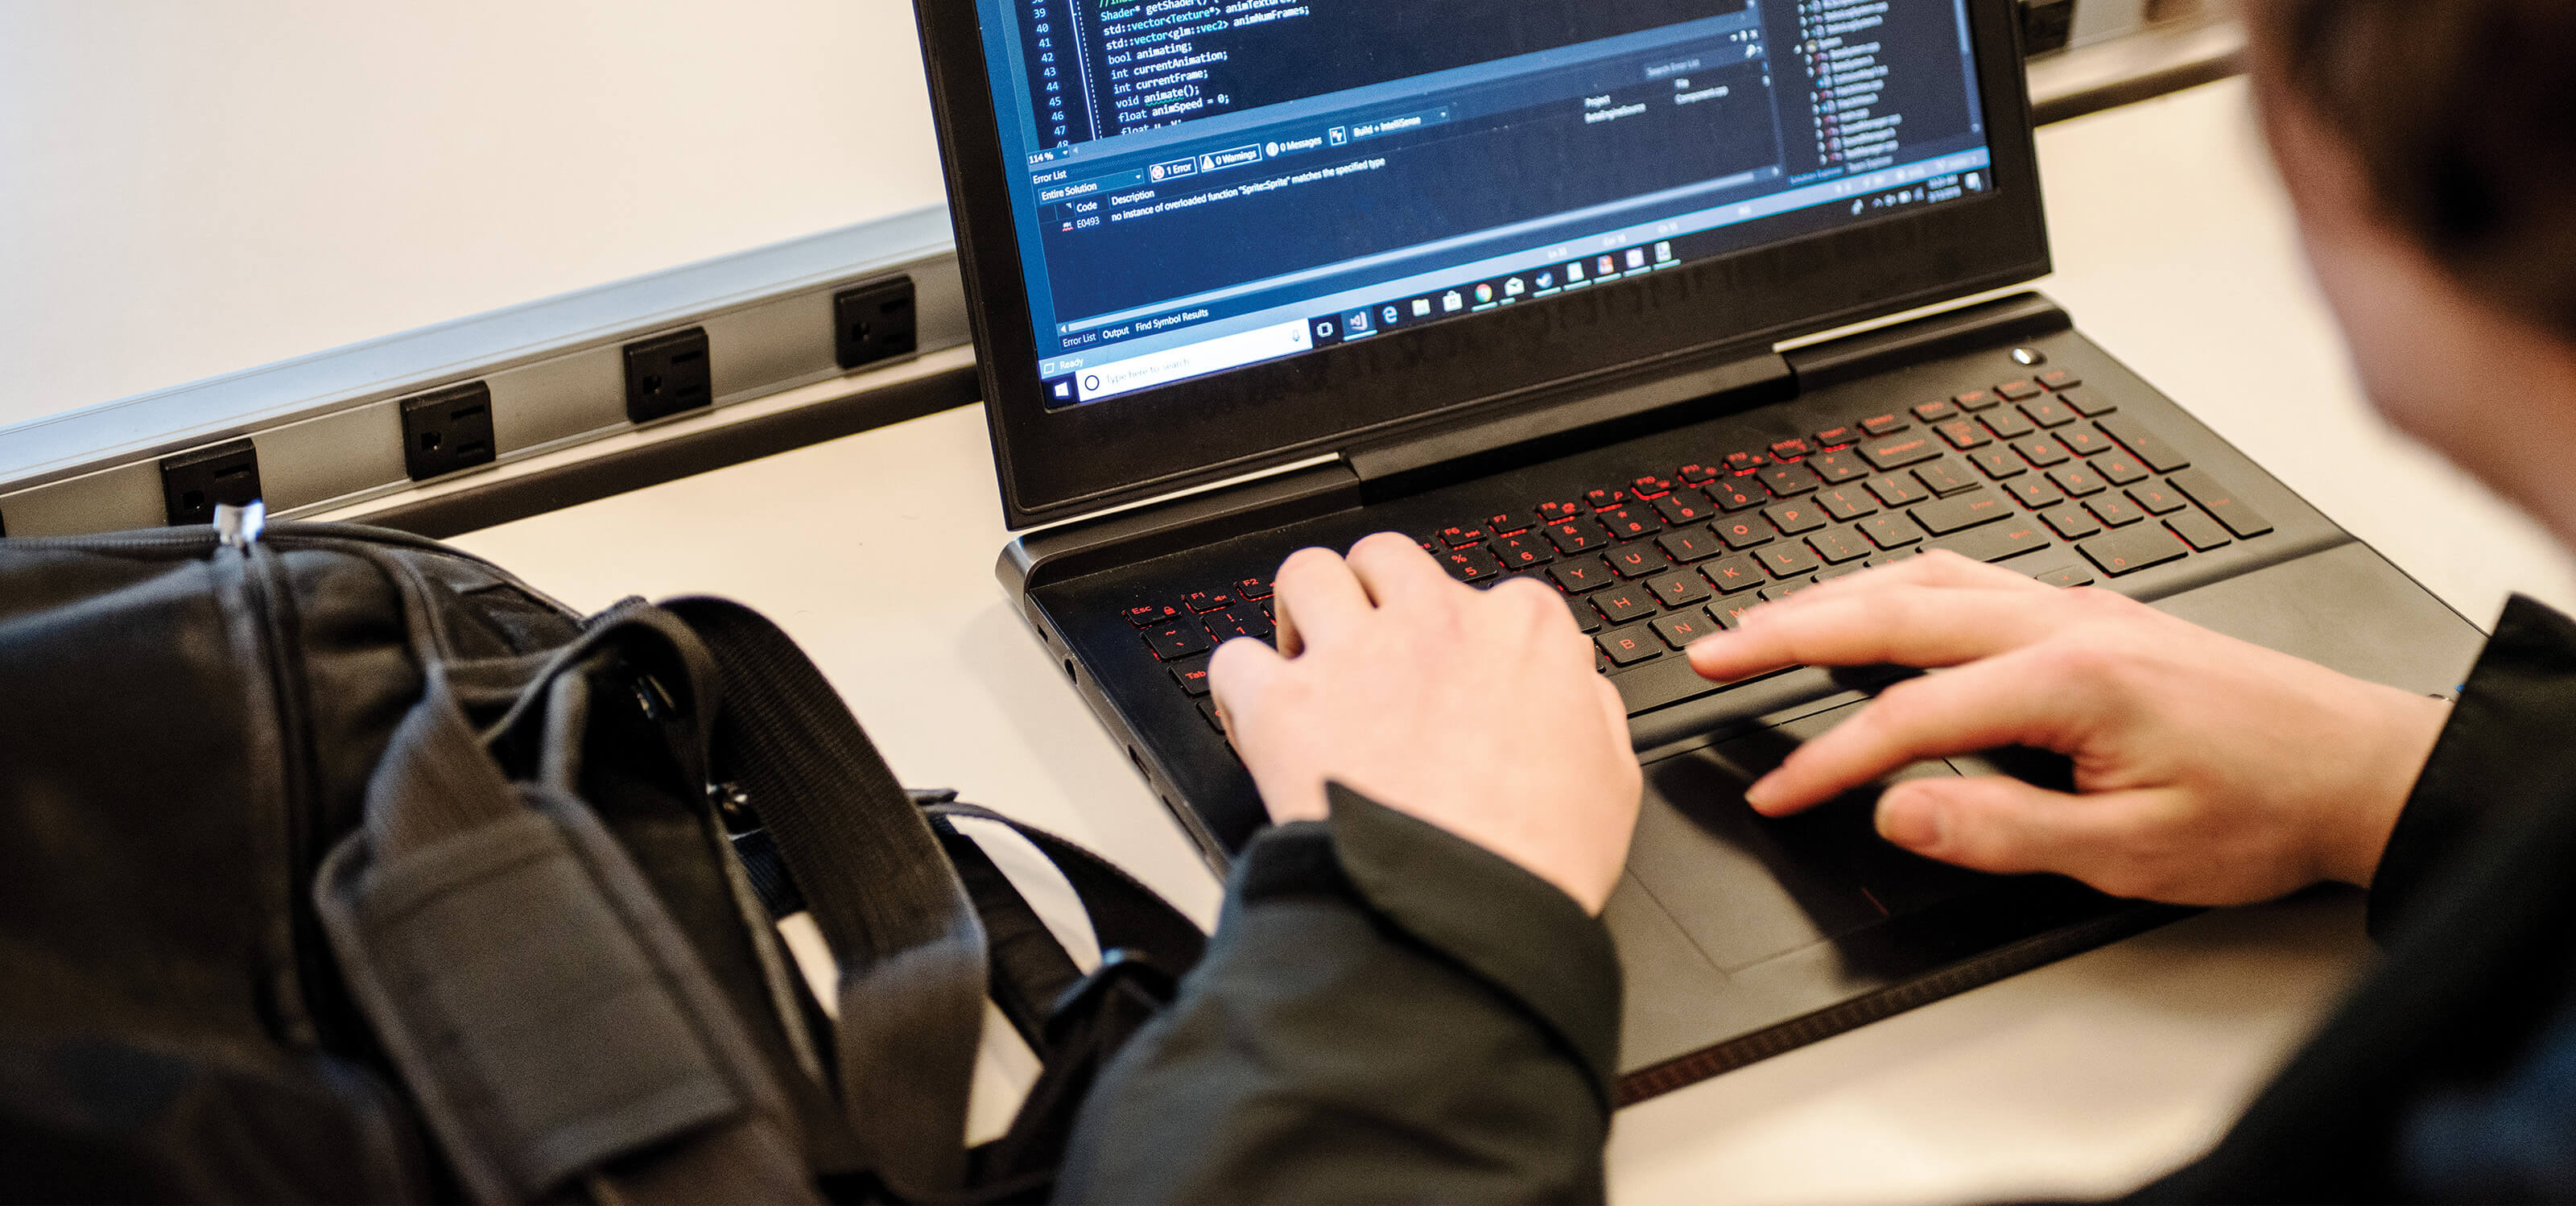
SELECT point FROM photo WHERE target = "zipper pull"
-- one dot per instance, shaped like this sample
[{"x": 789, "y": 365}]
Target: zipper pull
[{"x": 239, "y": 527}]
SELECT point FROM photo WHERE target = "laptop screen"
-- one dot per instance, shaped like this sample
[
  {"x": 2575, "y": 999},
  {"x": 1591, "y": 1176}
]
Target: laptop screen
[{"x": 1202, "y": 185}]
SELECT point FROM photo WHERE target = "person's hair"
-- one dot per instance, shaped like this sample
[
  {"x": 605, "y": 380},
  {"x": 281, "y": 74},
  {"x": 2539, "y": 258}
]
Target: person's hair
[{"x": 2462, "y": 114}]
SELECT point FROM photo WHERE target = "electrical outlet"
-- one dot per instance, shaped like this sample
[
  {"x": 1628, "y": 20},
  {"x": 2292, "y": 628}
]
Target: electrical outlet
[
  {"x": 448, "y": 429},
  {"x": 667, "y": 374},
  {"x": 873, "y": 322},
  {"x": 193, "y": 482}
]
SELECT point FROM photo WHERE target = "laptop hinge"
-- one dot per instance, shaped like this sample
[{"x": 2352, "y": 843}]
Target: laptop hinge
[
  {"x": 1085, "y": 546},
  {"x": 1983, "y": 325},
  {"x": 1570, "y": 418}
]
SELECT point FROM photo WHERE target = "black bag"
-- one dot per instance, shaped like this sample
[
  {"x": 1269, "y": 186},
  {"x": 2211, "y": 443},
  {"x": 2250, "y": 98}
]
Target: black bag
[{"x": 336, "y": 865}]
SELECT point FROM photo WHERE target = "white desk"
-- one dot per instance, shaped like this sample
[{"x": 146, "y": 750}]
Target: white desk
[{"x": 876, "y": 551}]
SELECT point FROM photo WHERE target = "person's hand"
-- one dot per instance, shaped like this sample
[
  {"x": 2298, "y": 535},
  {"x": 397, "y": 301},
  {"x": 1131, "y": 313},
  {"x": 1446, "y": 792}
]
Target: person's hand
[
  {"x": 2207, "y": 770},
  {"x": 1477, "y": 711}
]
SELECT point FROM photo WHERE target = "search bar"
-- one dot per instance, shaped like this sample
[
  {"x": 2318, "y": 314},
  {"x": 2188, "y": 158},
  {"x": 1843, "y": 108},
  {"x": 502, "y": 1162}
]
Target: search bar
[{"x": 1191, "y": 360}]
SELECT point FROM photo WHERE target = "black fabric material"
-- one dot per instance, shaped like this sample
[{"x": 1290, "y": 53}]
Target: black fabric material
[
  {"x": 2477, "y": 910},
  {"x": 910, "y": 947},
  {"x": 507, "y": 814},
  {"x": 1326, "y": 1051}
]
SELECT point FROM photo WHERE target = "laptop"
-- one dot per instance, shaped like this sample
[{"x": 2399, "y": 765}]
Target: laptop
[{"x": 1540, "y": 285}]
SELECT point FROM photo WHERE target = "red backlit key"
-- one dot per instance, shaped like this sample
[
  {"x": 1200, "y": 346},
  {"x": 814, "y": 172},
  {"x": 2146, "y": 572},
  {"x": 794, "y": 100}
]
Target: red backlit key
[
  {"x": 2065, "y": 576},
  {"x": 1630, "y": 522},
  {"x": 2202, "y": 531},
  {"x": 1581, "y": 574},
  {"x": 1604, "y": 498},
  {"x": 1793, "y": 517},
  {"x": 1204, "y": 601},
  {"x": 1638, "y": 560},
  {"x": 1836, "y": 437},
  {"x": 2048, "y": 412},
  {"x": 1508, "y": 523},
  {"x": 1886, "y": 424},
  {"x": 2221, "y": 502},
  {"x": 2077, "y": 480},
  {"x": 2084, "y": 441},
  {"x": 1192, "y": 675},
  {"x": 1890, "y": 531},
  {"x": 1253, "y": 588},
  {"x": 1698, "y": 474},
  {"x": 1964, "y": 434},
  {"x": 1736, "y": 493},
  {"x": 2072, "y": 523},
  {"x": 1977, "y": 399},
  {"x": 1789, "y": 559},
  {"x": 1152, "y": 613},
  {"x": 1838, "y": 545},
  {"x": 1846, "y": 502},
  {"x": 1743, "y": 531},
  {"x": 2060, "y": 379},
  {"x": 1790, "y": 450},
  {"x": 2016, "y": 391},
  {"x": 1522, "y": 551},
  {"x": 2119, "y": 468},
  {"x": 1735, "y": 573},
  {"x": 1934, "y": 412},
  {"x": 2007, "y": 424},
  {"x": 1745, "y": 462},
  {"x": 1840, "y": 465},
  {"x": 1785, "y": 480},
  {"x": 2132, "y": 549},
  {"x": 2114, "y": 511},
  {"x": 1898, "y": 451},
  {"x": 2041, "y": 451},
  {"x": 1677, "y": 588},
  {"x": 1460, "y": 536},
  {"x": 1650, "y": 487},
  {"x": 1471, "y": 565},
  {"x": 1682, "y": 629},
  {"x": 1576, "y": 535},
  {"x": 1729, "y": 613},
  {"x": 1997, "y": 463},
  {"x": 1624, "y": 604},
  {"x": 1558, "y": 512},
  {"x": 1630, "y": 645},
  {"x": 1237, "y": 622},
  {"x": 1896, "y": 490},
  {"x": 1684, "y": 507},
  {"x": 2159, "y": 456},
  {"x": 2034, "y": 492},
  {"x": 2156, "y": 500},
  {"x": 2087, "y": 403},
  {"x": 1966, "y": 511},
  {"x": 1690, "y": 544},
  {"x": 1176, "y": 639},
  {"x": 1943, "y": 477}
]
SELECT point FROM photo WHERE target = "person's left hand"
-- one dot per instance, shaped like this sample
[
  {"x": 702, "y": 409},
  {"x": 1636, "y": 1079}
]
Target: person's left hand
[{"x": 1475, "y": 710}]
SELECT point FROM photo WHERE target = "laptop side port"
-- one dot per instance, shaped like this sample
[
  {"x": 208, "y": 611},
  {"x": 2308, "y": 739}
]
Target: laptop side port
[
  {"x": 447, "y": 429},
  {"x": 873, "y": 322},
  {"x": 192, "y": 483},
  {"x": 667, "y": 374}
]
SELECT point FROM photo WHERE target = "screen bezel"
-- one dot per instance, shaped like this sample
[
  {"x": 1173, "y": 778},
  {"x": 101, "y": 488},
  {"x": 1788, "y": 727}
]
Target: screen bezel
[{"x": 1057, "y": 463}]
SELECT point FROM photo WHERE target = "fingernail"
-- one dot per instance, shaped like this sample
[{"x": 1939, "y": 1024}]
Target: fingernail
[
  {"x": 1909, "y": 822},
  {"x": 1762, "y": 793}
]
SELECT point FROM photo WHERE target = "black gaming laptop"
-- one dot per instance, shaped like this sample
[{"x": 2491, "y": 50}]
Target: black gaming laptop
[{"x": 1510, "y": 276}]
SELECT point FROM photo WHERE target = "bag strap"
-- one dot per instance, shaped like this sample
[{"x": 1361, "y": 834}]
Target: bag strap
[{"x": 909, "y": 945}]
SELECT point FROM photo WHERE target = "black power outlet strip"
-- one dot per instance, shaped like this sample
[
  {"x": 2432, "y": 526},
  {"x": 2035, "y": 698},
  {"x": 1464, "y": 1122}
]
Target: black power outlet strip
[
  {"x": 873, "y": 322},
  {"x": 448, "y": 429},
  {"x": 192, "y": 483},
  {"x": 668, "y": 374}
]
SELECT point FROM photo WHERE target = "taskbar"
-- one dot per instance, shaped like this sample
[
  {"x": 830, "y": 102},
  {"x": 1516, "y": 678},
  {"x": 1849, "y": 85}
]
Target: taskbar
[{"x": 1420, "y": 300}]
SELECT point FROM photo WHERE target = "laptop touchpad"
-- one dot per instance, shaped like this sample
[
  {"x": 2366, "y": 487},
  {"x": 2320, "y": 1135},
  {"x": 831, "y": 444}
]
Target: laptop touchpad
[{"x": 1746, "y": 888}]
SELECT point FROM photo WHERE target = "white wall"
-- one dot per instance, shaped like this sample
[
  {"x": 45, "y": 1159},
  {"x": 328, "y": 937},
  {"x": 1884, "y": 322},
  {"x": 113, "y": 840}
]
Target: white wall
[{"x": 189, "y": 187}]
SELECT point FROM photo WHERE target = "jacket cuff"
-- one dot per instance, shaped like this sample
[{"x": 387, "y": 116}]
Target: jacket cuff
[
  {"x": 1518, "y": 933},
  {"x": 2507, "y": 735}
]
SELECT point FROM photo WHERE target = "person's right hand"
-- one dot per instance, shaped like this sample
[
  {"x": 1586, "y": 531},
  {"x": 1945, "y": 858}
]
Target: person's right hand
[{"x": 2207, "y": 770}]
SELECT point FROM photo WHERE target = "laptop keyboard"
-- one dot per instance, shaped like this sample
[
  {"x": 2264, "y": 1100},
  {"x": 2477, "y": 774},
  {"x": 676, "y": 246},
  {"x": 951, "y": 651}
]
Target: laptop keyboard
[{"x": 2039, "y": 474}]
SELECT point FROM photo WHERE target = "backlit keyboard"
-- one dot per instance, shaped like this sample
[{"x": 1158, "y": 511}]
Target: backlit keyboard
[{"x": 2038, "y": 474}]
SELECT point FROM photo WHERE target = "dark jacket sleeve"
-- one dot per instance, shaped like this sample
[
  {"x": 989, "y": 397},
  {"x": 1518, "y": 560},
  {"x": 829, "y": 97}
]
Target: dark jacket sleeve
[
  {"x": 2475, "y": 905},
  {"x": 1386, "y": 1012}
]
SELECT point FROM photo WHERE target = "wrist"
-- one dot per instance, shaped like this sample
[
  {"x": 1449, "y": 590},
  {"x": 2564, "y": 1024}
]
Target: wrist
[{"x": 2356, "y": 834}]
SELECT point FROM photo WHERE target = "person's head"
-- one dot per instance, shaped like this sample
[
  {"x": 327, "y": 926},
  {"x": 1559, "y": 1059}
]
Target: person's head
[{"x": 2429, "y": 147}]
